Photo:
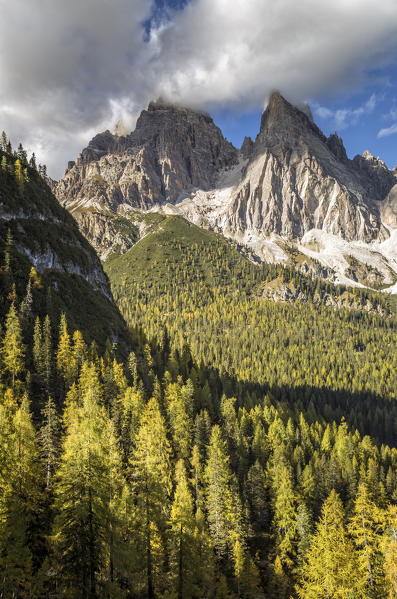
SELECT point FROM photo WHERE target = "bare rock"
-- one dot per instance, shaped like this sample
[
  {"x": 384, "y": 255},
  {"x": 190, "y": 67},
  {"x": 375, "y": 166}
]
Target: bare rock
[{"x": 290, "y": 180}]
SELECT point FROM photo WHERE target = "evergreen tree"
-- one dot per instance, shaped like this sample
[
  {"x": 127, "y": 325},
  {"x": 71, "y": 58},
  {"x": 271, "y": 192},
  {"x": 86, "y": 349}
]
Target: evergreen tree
[
  {"x": 133, "y": 368},
  {"x": 50, "y": 440},
  {"x": 12, "y": 349},
  {"x": 4, "y": 141},
  {"x": 183, "y": 525},
  {"x": 21, "y": 153},
  {"x": 152, "y": 484},
  {"x": 38, "y": 354},
  {"x": 47, "y": 354},
  {"x": 331, "y": 568},
  {"x": 32, "y": 162},
  {"x": 26, "y": 306},
  {"x": 304, "y": 529},
  {"x": 224, "y": 512}
]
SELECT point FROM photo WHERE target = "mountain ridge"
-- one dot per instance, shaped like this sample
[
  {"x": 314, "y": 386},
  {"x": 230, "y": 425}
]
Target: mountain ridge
[{"x": 290, "y": 181}]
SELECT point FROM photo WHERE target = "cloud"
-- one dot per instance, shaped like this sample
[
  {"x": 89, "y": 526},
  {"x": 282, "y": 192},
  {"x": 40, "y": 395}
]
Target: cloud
[
  {"x": 388, "y": 131},
  {"x": 392, "y": 114},
  {"x": 61, "y": 66},
  {"x": 346, "y": 117},
  {"x": 69, "y": 69}
]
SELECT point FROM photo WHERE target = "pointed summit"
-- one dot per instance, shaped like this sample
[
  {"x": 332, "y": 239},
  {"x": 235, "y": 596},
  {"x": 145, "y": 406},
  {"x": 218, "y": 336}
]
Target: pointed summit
[
  {"x": 335, "y": 144},
  {"x": 281, "y": 118}
]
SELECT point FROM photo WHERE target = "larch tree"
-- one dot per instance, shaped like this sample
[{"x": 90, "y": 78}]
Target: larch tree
[
  {"x": 65, "y": 358},
  {"x": 21, "y": 537},
  {"x": 79, "y": 351},
  {"x": 389, "y": 549},
  {"x": 223, "y": 507},
  {"x": 85, "y": 492},
  {"x": 365, "y": 527},
  {"x": 19, "y": 173},
  {"x": 331, "y": 567},
  {"x": 183, "y": 526},
  {"x": 285, "y": 509},
  {"x": 179, "y": 404},
  {"x": 151, "y": 475},
  {"x": 12, "y": 349}
]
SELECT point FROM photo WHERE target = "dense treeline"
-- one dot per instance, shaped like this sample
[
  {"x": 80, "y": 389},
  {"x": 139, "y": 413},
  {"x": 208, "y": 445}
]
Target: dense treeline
[
  {"x": 221, "y": 471},
  {"x": 332, "y": 363},
  {"x": 149, "y": 479}
]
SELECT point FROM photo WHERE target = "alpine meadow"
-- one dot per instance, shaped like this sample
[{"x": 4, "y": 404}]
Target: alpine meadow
[{"x": 198, "y": 324}]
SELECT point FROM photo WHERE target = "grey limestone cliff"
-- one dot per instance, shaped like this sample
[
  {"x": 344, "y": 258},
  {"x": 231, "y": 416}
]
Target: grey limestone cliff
[{"x": 290, "y": 180}]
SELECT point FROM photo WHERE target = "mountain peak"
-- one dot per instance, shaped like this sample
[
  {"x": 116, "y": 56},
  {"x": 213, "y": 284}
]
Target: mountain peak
[
  {"x": 335, "y": 144},
  {"x": 282, "y": 119}
]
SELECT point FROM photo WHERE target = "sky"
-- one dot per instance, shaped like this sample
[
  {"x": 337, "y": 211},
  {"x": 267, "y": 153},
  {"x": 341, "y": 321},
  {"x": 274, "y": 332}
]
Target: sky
[{"x": 69, "y": 70}]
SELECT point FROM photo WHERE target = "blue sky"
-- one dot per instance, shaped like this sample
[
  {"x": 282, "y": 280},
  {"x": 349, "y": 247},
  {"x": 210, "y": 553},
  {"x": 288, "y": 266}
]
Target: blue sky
[
  {"x": 82, "y": 67},
  {"x": 357, "y": 116}
]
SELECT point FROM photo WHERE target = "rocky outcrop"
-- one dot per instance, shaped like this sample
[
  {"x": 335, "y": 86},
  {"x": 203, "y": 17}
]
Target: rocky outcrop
[
  {"x": 172, "y": 150},
  {"x": 47, "y": 234},
  {"x": 297, "y": 180},
  {"x": 289, "y": 181},
  {"x": 36, "y": 231},
  {"x": 278, "y": 291},
  {"x": 389, "y": 208}
]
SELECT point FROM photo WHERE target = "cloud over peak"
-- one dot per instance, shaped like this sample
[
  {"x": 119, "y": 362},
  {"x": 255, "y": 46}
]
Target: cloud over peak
[{"x": 78, "y": 67}]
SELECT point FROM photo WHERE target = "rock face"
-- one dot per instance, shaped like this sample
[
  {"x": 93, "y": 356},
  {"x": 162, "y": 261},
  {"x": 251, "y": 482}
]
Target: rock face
[
  {"x": 47, "y": 235},
  {"x": 171, "y": 150},
  {"x": 297, "y": 180},
  {"x": 389, "y": 208},
  {"x": 289, "y": 181},
  {"x": 278, "y": 291},
  {"x": 39, "y": 233}
]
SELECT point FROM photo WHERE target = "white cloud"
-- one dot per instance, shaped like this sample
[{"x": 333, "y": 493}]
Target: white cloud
[
  {"x": 346, "y": 117},
  {"x": 68, "y": 68},
  {"x": 388, "y": 131},
  {"x": 392, "y": 114}
]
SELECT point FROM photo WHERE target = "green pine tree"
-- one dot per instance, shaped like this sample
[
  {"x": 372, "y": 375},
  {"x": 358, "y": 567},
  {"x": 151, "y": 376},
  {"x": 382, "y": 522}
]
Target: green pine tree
[
  {"x": 151, "y": 473},
  {"x": 223, "y": 507},
  {"x": 12, "y": 350},
  {"x": 331, "y": 569}
]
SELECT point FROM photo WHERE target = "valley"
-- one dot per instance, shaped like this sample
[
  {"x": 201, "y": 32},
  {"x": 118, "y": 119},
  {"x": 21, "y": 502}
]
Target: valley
[{"x": 198, "y": 366}]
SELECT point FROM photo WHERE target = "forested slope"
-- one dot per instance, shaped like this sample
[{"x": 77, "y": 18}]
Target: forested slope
[
  {"x": 228, "y": 457},
  {"x": 149, "y": 479},
  {"x": 40, "y": 239},
  {"x": 331, "y": 362}
]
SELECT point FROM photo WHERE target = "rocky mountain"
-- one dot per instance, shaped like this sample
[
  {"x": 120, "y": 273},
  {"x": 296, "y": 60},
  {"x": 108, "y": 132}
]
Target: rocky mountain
[
  {"x": 297, "y": 180},
  {"x": 35, "y": 231},
  {"x": 172, "y": 149},
  {"x": 291, "y": 187}
]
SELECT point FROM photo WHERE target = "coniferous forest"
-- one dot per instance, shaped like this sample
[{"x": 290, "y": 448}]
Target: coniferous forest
[{"x": 230, "y": 447}]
